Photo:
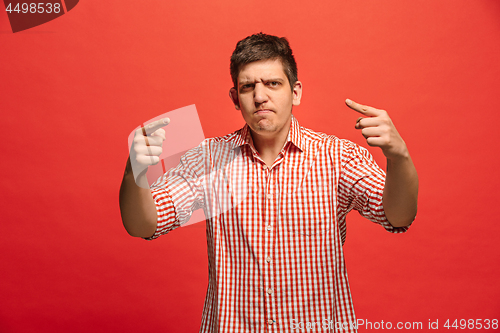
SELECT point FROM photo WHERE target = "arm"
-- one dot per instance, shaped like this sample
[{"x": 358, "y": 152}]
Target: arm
[
  {"x": 401, "y": 191},
  {"x": 401, "y": 185},
  {"x": 137, "y": 207},
  {"x": 138, "y": 210}
]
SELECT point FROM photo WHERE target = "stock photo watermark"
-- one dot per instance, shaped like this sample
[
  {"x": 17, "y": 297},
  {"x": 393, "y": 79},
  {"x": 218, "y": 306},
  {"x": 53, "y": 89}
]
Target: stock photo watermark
[{"x": 430, "y": 324}]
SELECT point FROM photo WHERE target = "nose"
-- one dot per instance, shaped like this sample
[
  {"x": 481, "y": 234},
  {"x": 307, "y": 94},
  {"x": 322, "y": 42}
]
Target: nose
[{"x": 259, "y": 93}]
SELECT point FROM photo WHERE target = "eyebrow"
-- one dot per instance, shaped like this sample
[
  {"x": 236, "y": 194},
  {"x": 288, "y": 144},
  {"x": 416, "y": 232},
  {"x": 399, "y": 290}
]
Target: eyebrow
[{"x": 267, "y": 80}]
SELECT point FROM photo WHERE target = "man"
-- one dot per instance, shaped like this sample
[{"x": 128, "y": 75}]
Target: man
[{"x": 275, "y": 256}]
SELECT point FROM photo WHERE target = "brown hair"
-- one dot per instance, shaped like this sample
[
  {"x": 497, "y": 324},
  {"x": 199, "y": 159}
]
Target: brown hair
[{"x": 263, "y": 47}]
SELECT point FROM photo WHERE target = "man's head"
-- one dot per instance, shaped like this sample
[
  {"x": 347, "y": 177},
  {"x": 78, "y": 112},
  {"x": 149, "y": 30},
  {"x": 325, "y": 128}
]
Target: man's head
[
  {"x": 263, "y": 69},
  {"x": 263, "y": 47}
]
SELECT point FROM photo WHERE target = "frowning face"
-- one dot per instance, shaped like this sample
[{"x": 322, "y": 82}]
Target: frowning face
[{"x": 265, "y": 98}]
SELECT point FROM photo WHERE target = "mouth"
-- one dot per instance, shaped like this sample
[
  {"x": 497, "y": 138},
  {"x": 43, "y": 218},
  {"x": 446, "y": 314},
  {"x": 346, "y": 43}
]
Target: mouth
[{"x": 263, "y": 111}]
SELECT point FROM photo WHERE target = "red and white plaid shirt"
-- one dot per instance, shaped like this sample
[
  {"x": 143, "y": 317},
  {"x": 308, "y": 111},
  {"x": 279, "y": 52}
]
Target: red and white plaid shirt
[{"x": 275, "y": 235}]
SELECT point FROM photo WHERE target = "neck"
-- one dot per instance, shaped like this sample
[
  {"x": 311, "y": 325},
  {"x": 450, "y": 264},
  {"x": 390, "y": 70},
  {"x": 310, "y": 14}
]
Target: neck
[{"x": 269, "y": 146}]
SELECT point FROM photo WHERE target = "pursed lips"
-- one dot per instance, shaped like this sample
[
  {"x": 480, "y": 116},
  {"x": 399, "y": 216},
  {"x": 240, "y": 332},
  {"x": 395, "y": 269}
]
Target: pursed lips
[{"x": 263, "y": 111}]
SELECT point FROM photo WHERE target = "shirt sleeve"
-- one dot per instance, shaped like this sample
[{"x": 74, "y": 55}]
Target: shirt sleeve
[
  {"x": 361, "y": 186},
  {"x": 178, "y": 193}
]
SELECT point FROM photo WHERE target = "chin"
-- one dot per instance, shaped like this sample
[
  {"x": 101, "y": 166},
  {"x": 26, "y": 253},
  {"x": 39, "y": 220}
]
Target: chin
[
  {"x": 265, "y": 125},
  {"x": 265, "y": 129}
]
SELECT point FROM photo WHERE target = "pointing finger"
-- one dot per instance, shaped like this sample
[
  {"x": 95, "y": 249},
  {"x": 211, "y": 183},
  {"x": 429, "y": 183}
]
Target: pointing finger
[
  {"x": 149, "y": 140},
  {"x": 365, "y": 110},
  {"x": 155, "y": 125}
]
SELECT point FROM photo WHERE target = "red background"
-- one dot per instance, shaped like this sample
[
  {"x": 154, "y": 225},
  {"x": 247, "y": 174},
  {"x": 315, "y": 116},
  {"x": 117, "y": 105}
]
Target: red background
[{"x": 72, "y": 89}]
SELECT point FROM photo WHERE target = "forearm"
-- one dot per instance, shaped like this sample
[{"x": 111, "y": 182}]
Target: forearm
[
  {"x": 400, "y": 191},
  {"x": 138, "y": 210}
]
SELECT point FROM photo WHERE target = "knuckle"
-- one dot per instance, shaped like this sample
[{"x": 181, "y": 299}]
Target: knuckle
[{"x": 138, "y": 139}]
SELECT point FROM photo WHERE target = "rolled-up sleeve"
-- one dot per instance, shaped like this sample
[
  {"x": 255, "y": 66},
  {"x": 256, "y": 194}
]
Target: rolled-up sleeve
[
  {"x": 361, "y": 186},
  {"x": 178, "y": 193}
]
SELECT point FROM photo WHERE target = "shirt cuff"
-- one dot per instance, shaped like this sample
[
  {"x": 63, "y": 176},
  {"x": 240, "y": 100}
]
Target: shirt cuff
[{"x": 165, "y": 210}]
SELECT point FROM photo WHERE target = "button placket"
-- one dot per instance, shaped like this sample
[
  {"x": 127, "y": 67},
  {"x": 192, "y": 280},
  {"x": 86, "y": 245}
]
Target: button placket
[{"x": 269, "y": 218}]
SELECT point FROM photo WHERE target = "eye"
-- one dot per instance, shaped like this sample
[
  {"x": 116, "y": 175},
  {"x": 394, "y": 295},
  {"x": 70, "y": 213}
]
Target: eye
[
  {"x": 274, "y": 84},
  {"x": 246, "y": 87}
]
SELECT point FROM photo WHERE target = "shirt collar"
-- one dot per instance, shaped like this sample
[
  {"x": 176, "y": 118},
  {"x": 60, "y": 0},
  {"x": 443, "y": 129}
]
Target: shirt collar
[{"x": 295, "y": 136}]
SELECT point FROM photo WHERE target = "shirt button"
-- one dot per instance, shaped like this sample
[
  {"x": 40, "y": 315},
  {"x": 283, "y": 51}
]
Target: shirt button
[
  {"x": 264, "y": 167},
  {"x": 269, "y": 196},
  {"x": 269, "y": 227},
  {"x": 270, "y": 321},
  {"x": 270, "y": 291},
  {"x": 268, "y": 259}
]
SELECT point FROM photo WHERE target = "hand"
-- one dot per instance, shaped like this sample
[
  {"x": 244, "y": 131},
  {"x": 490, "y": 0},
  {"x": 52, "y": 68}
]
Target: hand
[
  {"x": 379, "y": 131},
  {"x": 147, "y": 146}
]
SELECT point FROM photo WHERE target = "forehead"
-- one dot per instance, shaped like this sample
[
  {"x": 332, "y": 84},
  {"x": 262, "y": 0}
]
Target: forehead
[{"x": 262, "y": 70}]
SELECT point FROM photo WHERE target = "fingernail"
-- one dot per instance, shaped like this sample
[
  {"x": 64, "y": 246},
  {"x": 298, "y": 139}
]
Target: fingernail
[
  {"x": 348, "y": 101},
  {"x": 166, "y": 121}
]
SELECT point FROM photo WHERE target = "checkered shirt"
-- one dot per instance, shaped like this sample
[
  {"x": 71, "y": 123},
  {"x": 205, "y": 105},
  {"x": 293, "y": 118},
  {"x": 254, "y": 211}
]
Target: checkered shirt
[{"x": 274, "y": 234}]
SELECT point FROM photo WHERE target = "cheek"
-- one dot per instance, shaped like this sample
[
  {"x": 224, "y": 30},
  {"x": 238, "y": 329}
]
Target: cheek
[
  {"x": 247, "y": 105},
  {"x": 245, "y": 109},
  {"x": 245, "y": 99},
  {"x": 286, "y": 101}
]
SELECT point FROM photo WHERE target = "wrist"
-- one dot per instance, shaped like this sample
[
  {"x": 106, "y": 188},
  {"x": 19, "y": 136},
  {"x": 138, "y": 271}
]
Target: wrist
[
  {"x": 397, "y": 155},
  {"x": 137, "y": 176}
]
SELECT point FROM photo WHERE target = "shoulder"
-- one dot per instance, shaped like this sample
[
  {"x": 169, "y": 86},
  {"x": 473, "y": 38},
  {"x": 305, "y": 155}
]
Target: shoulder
[
  {"x": 327, "y": 140},
  {"x": 337, "y": 148},
  {"x": 231, "y": 137},
  {"x": 215, "y": 149},
  {"x": 230, "y": 140}
]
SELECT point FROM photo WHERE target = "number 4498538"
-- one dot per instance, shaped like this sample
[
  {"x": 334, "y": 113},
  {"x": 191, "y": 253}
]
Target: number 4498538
[
  {"x": 33, "y": 8},
  {"x": 472, "y": 324}
]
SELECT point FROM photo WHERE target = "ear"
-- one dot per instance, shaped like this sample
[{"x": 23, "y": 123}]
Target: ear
[
  {"x": 297, "y": 93},
  {"x": 233, "y": 94}
]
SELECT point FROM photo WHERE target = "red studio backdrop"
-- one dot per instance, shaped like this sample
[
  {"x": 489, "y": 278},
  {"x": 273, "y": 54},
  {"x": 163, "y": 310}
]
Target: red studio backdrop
[{"x": 73, "y": 88}]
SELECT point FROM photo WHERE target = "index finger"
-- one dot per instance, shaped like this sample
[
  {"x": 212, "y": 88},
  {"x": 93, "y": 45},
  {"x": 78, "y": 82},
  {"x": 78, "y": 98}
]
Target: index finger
[
  {"x": 363, "y": 109},
  {"x": 150, "y": 128}
]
